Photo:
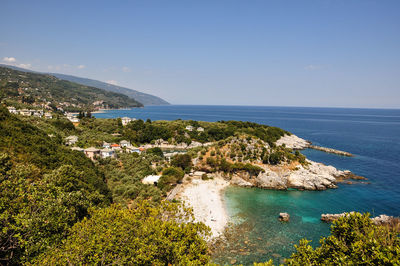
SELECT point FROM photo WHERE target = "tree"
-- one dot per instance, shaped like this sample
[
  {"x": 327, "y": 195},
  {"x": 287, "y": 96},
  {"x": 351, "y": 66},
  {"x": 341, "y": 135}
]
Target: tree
[
  {"x": 81, "y": 115},
  {"x": 170, "y": 176},
  {"x": 354, "y": 240},
  {"x": 183, "y": 161},
  {"x": 142, "y": 236},
  {"x": 119, "y": 122},
  {"x": 156, "y": 151}
]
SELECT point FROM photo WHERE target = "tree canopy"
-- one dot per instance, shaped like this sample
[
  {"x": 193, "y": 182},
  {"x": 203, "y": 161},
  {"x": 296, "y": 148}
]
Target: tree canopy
[
  {"x": 354, "y": 240},
  {"x": 142, "y": 236}
]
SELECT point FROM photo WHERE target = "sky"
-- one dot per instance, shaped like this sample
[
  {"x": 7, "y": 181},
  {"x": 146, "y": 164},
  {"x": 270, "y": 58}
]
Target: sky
[{"x": 329, "y": 53}]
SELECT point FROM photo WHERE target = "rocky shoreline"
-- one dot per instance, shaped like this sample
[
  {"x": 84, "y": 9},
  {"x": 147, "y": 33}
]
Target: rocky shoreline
[
  {"x": 378, "y": 220},
  {"x": 204, "y": 196},
  {"x": 313, "y": 176}
]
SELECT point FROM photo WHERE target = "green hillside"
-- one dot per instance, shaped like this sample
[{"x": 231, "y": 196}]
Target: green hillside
[
  {"x": 144, "y": 98},
  {"x": 45, "y": 90},
  {"x": 45, "y": 189}
]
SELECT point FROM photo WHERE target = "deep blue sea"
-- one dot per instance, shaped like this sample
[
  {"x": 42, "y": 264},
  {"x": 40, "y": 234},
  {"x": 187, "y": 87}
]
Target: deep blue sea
[{"x": 372, "y": 135}]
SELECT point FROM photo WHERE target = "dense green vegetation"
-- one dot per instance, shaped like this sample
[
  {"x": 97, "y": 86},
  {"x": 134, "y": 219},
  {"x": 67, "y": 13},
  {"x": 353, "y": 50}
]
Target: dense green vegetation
[
  {"x": 45, "y": 90},
  {"x": 174, "y": 131},
  {"x": 170, "y": 176},
  {"x": 142, "y": 236},
  {"x": 45, "y": 189},
  {"x": 354, "y": 240},
  {"x": 124, "y": 177}
]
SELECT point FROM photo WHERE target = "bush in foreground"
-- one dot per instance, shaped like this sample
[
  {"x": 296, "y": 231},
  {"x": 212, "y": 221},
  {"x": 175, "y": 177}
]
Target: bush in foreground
[
  {"x": 142, "y": 236},
  {"x": 354, "y": 240}
]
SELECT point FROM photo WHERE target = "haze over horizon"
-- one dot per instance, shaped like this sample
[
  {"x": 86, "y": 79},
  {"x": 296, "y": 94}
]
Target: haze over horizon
[{"x": 265, "y": 53}]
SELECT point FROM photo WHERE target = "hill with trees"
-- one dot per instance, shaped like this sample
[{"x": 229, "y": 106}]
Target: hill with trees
[
  {"x": 45, "y": 189},
  {"x": 40, "y": 90},
  {"x": 51, "y": 194},
  {"x": 144, "y": 98}
]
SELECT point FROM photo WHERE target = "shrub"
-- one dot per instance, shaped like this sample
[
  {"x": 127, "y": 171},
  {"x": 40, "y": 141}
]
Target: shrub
[
  {"x": 156, "y": 151},
  {"x": 204, "y": 177},
  {"x": 142, "y": 236},
  {"x": 183, "y": 161},
  {"x": 170, "y": 176},
  {"x": 354, "y": 240}
]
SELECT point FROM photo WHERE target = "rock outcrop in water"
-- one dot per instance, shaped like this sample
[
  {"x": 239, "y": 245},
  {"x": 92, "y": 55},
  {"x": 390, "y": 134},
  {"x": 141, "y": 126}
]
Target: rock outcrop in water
[
  {"x": 329, "y": 150},
  {"x": 284, "y": 217}
]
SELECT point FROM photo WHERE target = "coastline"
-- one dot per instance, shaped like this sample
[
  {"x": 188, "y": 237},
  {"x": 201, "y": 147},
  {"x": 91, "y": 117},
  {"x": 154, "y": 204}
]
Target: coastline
[{"x": 205, "y": 197}]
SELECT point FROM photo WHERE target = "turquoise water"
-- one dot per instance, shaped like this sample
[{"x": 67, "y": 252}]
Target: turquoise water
[{"x": 372, "y": 135}]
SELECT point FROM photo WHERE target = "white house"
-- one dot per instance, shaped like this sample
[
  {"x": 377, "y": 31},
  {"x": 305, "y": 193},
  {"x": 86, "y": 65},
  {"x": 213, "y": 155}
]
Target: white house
[
  {"x": 92, "y": 152},
  {"x": 48, "y": 115},
  {"x": 125, "y": 143},
  {"x": 72, "y": 118},
  {"x": 190, "y": 128},
  {"x": 106, "y": 153},
  {"x": 38, "y": 113},
  {"x": 115, "y": 147},
  {"x": 12, "y": 110},
  {"x": 126, "y": 120},
  {"x": 200, "y": 129},
  {"x": 106, "y": 145},
  {"x": 25, "y": 112},
  {"x": 151, "y": 179},
  {"x": 133, "y": 149},
  {"x": 71, "y": 140}
]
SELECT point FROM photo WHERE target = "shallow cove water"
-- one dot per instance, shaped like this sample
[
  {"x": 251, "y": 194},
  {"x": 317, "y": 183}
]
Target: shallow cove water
[{"x": 372, "y": 135}]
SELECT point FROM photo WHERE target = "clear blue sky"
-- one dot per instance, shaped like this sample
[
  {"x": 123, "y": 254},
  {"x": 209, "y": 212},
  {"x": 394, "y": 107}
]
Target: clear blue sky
[{"x": 287, "y": 53}]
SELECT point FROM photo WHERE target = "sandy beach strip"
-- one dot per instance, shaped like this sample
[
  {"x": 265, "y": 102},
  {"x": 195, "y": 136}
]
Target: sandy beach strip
[{"x": 206, "y": 199}]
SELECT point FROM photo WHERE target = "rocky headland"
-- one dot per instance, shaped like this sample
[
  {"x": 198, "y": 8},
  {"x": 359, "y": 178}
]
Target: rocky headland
[
  {"x": 294, "y": 142},
  {"x": 313, "y": 176}
]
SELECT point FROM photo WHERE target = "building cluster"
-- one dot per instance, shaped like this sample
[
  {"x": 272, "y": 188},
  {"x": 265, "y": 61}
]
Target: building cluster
[
  {"x": 72, "y": 117},
  {"x": 191, "y": 128},
  {"x": 127, "y": 120},
  {"x": 29, "y": 112},
  {"x": 106, "y": 151}
]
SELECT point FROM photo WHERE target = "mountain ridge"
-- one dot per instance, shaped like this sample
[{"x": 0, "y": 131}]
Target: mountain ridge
[
  {"x": 34, "y": 89},
  {"x": 144, "y": 98}
]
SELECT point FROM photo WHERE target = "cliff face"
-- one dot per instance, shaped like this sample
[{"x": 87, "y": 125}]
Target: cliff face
[{"x": 314, "y": 176}]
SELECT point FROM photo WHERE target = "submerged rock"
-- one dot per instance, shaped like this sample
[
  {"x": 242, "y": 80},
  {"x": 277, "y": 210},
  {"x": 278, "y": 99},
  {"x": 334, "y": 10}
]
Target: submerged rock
[{"x": 284, "y": 217}]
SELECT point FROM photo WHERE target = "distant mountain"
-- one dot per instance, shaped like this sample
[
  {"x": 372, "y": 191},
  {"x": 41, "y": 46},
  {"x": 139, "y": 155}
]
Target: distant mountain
[
  {"x": 36, "y": 89},
  {"x": 146, "y": 99}
]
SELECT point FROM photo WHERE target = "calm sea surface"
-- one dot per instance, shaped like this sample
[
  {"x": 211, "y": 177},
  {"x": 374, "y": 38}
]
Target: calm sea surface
[{"x": 372, "y": 135}]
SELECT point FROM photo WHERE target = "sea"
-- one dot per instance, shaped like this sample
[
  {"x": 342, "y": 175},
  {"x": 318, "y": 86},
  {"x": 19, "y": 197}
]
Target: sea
[{"x": 256, "y": 235}]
